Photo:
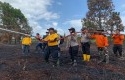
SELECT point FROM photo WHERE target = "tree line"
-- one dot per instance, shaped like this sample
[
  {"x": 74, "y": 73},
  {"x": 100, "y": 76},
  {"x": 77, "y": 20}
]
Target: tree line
[
  {"x": 12, "y": 19},
  {"x": 102, "y": 15}
]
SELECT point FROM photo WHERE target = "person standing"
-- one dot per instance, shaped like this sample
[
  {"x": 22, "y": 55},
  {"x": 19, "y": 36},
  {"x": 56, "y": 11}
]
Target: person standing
[
  {"x": 26, "y": 42},
  {"x": 85, "y": 44},
  {"x": 52, "y": 41},
  {"x": 118, "y": 42},
  {"x": 102, "y": 44},
  {"x": 39, "y": 44},
  {"x": 72, "y": 44}
]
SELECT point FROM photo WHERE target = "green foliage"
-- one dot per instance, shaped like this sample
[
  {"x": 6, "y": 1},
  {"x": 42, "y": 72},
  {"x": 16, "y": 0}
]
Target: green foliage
[
  {"x": 115, "y": 22},
  {"x": 13, "y": 18},
  {"x": 98, "y": 14},
  {"x": 101, "y": 15}
]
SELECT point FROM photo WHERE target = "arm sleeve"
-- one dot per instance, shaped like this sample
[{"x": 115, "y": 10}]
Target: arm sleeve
[
  {"x": 55, "y": 36},
  {"x": 122, "y": 37},
  {"x": 46, "y": 38},
  {"x": 106, "y": 41},
  {"x": 113, "y": 36}
]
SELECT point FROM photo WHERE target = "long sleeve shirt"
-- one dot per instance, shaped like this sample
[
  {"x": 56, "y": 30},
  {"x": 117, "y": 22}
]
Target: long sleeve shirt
[
  {"x": 52, "y": 39},
  {"x": 26, "y": 41},
  {"x": 38, "y": 37},
  {"x": 101, "y": 40},
  {"x": 118, "y": 39},
  {"x": 72, "y": 41},
  {"x": 85, "y": 38}
]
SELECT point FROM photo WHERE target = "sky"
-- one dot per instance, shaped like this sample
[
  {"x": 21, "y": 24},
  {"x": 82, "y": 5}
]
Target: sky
[{"x": 60, "y": 14}]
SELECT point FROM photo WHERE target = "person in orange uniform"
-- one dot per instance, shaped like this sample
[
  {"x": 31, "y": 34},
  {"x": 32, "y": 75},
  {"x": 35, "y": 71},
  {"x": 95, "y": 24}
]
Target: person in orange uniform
[
  {"x": 101, "y": 43},
  {"x": 52, "y": 47},
  {"x": 118, "y": 42}
]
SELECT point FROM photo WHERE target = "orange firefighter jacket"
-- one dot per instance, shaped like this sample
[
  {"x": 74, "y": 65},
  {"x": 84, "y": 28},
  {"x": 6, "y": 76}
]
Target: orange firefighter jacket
[
  {"x": 101, "y": 40},
  {"x": 118, "y": 39}
]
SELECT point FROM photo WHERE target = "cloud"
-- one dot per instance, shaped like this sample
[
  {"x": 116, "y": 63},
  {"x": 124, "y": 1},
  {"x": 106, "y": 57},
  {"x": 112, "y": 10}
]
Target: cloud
[
  {"x": 55, "y": 24},
  {"x": 76, "y": 23},
  {"x": 36, "y": 11}
]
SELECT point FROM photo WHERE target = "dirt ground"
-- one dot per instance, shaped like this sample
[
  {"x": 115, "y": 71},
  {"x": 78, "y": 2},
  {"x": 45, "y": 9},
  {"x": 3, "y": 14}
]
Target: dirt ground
[{"x": 14, "y": 66}]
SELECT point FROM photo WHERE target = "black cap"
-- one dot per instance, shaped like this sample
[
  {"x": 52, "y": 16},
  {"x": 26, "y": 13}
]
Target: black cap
[
  {"x": 47, "y": 32},
  {"x": 37, "y": 33},
  {"x": 71, "y": 28},
  {"x": 50, "y": 28}
]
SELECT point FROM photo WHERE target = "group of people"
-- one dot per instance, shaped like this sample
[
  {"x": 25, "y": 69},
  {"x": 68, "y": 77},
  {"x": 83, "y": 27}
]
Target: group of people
[{"x": 52, "y": 41}]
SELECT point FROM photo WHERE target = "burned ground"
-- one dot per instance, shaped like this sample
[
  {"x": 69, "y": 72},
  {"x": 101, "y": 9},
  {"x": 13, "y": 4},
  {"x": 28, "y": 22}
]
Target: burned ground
[{"x": 14, "y": 66}]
